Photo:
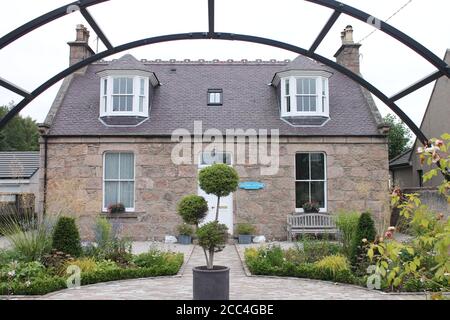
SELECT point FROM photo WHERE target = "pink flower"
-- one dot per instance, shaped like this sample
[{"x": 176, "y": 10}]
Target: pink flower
[
  {"x": 439, "y": 143},
  {"x": 435, "y": 157},
  {"x": 388, "y": 235},
  {"x": 420, "y": 150}
]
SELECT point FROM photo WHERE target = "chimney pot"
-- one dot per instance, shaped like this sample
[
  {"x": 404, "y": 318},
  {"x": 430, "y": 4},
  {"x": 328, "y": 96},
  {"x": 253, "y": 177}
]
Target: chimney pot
[
  {"x": 348, "y": 53},
  {"x": 79, "y": 49}
]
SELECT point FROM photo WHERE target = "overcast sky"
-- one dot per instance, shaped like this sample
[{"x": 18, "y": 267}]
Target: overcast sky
[{"x": 31, "y": 60}]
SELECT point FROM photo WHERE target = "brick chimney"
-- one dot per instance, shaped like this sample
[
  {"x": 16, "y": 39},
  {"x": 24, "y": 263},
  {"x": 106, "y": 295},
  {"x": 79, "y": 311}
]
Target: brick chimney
[
  {"x": 79, "y": 49},
  {"x": 348, "y": 53}
]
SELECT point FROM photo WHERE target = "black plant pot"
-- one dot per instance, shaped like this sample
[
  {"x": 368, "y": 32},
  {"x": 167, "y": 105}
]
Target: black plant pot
[
  {"x": 211, "y": 284},
  {"x": 184, "y": 239},
  {"x": 245, "y": 239}
]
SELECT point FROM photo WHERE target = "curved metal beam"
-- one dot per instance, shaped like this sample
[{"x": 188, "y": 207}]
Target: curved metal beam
[
  {"x": 338, "y": 8},
  {"x": 219, "y": 36},
  {"x": 389, "y": 30}
]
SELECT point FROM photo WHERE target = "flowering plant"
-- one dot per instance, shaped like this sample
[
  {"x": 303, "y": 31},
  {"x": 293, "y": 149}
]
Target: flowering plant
[
  {"x": 311, "y": 206},
  {"x": 116, "y": 208}
]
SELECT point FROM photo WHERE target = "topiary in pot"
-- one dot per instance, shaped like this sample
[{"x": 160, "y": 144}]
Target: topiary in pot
[
  {"x": 66, "y": 237},
  {"x": 212, "y": 282},
  {"x": 192, "y": 209},
  {"x": 365, "y": 232}
]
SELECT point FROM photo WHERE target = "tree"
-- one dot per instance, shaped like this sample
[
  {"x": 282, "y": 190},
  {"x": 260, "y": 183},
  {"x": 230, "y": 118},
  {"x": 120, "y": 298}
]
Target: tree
[
  {"x": 220, "y": 180},
  {"x": 20, "y": 134},
  {"x": 192, "y": 209},
  {"x": 399, "y": 136}
]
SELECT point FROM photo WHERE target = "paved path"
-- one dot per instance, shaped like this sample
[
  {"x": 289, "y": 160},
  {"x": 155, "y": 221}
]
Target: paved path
[{"x": 241, "y": 286}]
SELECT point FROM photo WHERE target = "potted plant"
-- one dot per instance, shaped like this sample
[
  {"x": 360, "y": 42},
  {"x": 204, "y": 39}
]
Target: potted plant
[
  {"x": 311, "y": 207},
  {"x": 185, "y": 232},
  {"x": 245, "y": 232},
  {"x": 116, "y": 208},
  {"x": 213, "y": 282}
]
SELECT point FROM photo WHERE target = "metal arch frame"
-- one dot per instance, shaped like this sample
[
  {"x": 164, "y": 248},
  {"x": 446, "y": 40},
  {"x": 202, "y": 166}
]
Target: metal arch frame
[{"x": 339, "y": 8}]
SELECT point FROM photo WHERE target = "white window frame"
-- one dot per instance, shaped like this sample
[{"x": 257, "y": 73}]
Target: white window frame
[
  {"x": 127, "y": 209},
  {"x": 107, "y": 110},
  {"x": 325, "y": 185},
  {"x": 202, "y": 165},
  {"x": 322, "y": 96}
]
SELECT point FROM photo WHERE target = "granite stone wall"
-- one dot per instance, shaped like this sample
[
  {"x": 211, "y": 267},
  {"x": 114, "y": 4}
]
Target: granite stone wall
[{"x": 357, "y": 178}]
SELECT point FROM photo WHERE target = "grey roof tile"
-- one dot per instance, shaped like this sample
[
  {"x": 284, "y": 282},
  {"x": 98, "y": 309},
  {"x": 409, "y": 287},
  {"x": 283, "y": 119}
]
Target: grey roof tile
[
  {"x": 18, "y": 164},
  {"x": 248, "y": 101},
  {"x": 401, "y": 160}
]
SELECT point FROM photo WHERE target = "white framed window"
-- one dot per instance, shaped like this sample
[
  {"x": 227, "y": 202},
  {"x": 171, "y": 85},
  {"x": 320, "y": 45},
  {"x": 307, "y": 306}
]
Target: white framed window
[
  {"x": 209, "y": 158},
  {"x": 118, "y": 179},
  {"x": 310, "y": 180},
  {"x": 304, "y": 96},
  {"x": 124, "y": 95},
  {"x": 215, "y": 97}
]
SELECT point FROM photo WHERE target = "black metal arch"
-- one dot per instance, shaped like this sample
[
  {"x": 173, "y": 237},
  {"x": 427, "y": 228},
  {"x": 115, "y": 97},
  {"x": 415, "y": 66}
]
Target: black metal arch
[{"x": 339, "y": 8}]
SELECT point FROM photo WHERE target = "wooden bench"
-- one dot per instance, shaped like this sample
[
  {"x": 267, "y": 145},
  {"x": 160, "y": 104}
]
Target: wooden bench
[{"x": 310, "y": 223}]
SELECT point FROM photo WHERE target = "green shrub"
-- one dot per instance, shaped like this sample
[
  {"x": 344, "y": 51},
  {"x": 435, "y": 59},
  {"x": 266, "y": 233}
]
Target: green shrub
[
  {"x": 155, "y": 257},
  {"x": 39, "y": 286},
  {"x": 66, "y": 237},
  {"x": 55, "y": 260},
  {"x": 314, "y": 250},
  {"x": 192, "y": 209},
  {"x": 103, "y": 232},
  {"x": 212, "y": 237},
  {"x": 7, "y": 256},
  {"x": 29, "y": 237},
  {"x": 333, "y": 264},
  {"x": 21, "y": 271},
  {"x": 85, "y": 265},
  {"x": 245, "y": 229},
  {"x": 185, "y": 229},
  {"x": 347, "y": 223},
  {"x": 268, "y": 261},
  {"x": 364, "y": 231}
]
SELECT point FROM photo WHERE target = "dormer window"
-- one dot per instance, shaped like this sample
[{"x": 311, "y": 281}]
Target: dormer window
[
  {"x": 305, "y": 96},
  {"x": 124, "y": 96},
  {"x": 215, "y": 97},
  {"x": 303, "y": 93}
]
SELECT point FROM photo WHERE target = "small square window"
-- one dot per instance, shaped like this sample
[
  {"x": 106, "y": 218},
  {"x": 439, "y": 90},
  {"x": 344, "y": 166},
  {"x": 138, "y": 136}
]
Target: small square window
[{"x": 215, "y": 97}]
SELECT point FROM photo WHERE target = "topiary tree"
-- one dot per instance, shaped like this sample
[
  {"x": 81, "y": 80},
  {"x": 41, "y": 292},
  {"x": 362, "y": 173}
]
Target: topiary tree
[
  {"x": 212, "y": 237},
  {"x": 219, "y": 180},
  {"x": 365, "y": 232},
  {"x": 192, "y": 209},
  {"x": 66, "y": 237}
]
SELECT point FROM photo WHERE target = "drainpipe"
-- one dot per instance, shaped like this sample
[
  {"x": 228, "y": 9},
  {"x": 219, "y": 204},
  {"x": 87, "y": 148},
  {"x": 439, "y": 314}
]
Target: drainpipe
[{"x": 44, "y": 201}]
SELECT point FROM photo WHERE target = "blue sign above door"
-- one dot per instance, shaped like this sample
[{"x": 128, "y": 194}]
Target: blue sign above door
[{"x": 252, "y": 185}]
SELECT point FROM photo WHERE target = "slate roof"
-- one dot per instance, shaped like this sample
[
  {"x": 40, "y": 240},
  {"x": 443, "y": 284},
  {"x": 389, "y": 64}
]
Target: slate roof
[
  {"x": 15, "y": 165},
  {"x": 249, "y": 102},
  {"x": 402, "y": 160}
]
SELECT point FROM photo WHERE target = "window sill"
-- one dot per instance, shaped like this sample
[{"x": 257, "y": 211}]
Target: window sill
[{"x": 123, "y": 215}]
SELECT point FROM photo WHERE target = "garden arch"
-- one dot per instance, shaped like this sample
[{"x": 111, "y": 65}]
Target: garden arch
[{"x": 442, "y": 69}]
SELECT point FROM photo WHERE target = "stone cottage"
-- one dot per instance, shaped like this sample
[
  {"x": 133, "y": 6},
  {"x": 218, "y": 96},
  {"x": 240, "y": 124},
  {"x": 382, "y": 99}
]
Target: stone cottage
[{"x": 137, "y": 132}]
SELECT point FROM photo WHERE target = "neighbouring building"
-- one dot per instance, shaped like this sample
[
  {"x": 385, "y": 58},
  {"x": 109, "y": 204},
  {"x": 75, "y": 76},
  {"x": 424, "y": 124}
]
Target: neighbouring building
[
  {"x": 19, "y": 180},
  {"x": 117, "y": 130},
  {"x": 406, "y": 170}
]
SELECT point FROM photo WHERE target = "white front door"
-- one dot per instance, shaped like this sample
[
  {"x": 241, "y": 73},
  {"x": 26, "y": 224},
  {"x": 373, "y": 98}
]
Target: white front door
[{"x": 226, "y": 203}]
